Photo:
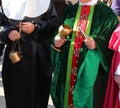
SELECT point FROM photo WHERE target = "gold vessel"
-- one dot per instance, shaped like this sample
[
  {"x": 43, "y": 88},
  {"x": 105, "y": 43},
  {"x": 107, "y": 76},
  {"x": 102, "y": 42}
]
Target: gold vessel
[{"x": 64, "y": 30}]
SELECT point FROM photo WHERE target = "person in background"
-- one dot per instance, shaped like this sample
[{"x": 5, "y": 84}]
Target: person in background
[
  {"x": 27, "y": 73},
  {"x": 108, "y": 2},
  {"x": 112, "y": 96},
  {"x": 60, "y": 6},
  {"x": 116, "y": 7},
  {"x": 81, "y": 59},
  {"x": 2, "y": 45},
  {"x": 69, "y": 3}
]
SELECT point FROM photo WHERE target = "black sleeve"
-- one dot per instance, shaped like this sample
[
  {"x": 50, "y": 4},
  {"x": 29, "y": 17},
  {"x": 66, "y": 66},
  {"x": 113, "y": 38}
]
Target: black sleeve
[
  {"x": 4, "y": 28},
  {"x": 46, "y": 24}
]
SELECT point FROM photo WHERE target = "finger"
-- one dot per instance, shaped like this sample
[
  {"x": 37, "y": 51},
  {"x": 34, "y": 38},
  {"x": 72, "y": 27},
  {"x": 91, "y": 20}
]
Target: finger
[
  {"x": 12, "y": 38},
  {"x": 58, "y": 45}
]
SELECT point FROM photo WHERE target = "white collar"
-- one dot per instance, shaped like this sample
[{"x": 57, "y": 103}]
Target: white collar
[
  {"x": 18, "y": 9},
  {"x": 92, "y": 2}
]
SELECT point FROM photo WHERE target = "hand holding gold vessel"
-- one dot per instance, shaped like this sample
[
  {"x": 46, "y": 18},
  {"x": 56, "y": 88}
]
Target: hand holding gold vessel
[{"x": 64, "y": 31}]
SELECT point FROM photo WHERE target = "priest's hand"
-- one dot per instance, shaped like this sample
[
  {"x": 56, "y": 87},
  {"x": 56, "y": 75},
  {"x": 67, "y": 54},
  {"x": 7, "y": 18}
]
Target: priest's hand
[
  {"x": 59, "y": 40},
  {"x": 117, "y": 80},
  {"x": 14, "y": 35},
  {"x": 90, "y": 43},
  {"x": 28, "y": 27}
]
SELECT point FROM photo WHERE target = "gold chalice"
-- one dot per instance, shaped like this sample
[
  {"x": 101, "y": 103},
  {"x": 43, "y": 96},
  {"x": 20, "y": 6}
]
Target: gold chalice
[{"x": 64, "y": 31}]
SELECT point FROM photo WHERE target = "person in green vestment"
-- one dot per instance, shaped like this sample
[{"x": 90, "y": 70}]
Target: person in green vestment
[{"x": 81, "y": 58}]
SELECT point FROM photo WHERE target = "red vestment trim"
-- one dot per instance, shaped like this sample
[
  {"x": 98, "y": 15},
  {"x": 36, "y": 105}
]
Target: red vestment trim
[{"x": 77, "y": 45}]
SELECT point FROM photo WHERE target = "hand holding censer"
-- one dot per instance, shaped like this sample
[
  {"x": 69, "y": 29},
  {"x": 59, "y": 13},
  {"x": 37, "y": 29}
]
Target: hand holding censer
[{"x": 64, "y": 31}]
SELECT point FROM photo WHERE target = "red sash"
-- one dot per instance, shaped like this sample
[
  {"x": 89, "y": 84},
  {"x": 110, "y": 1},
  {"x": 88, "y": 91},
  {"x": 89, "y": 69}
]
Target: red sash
[{"x": 77, "y": 45}]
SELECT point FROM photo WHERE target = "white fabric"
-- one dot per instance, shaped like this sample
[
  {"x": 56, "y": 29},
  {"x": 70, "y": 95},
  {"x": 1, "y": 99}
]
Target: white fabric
[
  {"x": 91, "y": 2},
  {"x": 18, "y": 9},
  {"x": 118, "y": 70},
  {"x": 72, "y": 1}
]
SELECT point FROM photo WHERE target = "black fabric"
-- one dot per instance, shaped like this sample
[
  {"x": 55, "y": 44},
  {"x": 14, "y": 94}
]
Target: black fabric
[
  {"x": 27, "y": 83},
  {"x": 2, "y": 45},
  {"x": 60, "y": 5}
]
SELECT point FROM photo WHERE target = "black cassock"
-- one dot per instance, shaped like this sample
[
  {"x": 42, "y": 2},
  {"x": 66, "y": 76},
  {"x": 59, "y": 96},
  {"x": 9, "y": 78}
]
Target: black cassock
[{"x": 27, "y": 83}]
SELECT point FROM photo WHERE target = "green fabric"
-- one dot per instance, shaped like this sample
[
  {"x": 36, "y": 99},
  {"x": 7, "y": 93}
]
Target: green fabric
[
  {"x": 69, "y": 65},
  {"x": 85, "y": 80},
  {"x": 103, "y": 24}
]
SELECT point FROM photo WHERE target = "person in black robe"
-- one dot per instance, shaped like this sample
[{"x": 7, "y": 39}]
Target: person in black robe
[{"x": 30, "y": 25}]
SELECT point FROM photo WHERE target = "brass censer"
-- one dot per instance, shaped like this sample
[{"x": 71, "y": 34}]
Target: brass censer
[{"x": 16, "y": 55}]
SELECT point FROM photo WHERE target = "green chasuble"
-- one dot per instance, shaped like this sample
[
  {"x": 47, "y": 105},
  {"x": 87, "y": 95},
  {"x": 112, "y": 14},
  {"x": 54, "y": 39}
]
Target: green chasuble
[{"x": 104, "y": 21}]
